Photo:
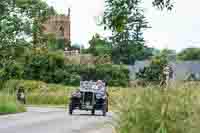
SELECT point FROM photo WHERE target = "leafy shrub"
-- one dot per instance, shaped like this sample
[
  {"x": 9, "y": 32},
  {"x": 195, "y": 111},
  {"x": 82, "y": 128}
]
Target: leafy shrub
[
  {"x": 11, "y": 69},
  {"x": 151, "y": 73},
  {"x": 51, "y": 68},
  {"x": 108, "y": 72},
  {"x": 154, "y": 70}
]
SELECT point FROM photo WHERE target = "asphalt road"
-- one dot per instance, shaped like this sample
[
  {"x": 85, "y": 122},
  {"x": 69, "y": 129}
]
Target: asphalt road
[{"x": 55, "y": 120}]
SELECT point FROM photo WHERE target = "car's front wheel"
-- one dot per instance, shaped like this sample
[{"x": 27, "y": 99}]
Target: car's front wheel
[
  {"x": 93, "y": 111},
  {"x": 104, "y": 110},
  {"x": 107, "y": 105}
]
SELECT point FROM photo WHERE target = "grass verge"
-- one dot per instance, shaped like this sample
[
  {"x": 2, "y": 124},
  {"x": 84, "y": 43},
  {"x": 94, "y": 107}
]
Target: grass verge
[{"x": 9, "y": 105}]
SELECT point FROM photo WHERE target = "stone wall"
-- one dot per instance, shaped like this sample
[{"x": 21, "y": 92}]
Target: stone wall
[{"x": 79, "y": 59}]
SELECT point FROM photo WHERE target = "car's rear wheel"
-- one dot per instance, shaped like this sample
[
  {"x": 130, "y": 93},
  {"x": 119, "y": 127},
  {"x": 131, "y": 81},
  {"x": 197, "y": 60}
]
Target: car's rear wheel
[{"x": 70, "y": 109}]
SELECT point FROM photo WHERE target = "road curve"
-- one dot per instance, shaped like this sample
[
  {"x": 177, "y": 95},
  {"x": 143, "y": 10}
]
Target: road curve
[{"x": 54, "y": 120}]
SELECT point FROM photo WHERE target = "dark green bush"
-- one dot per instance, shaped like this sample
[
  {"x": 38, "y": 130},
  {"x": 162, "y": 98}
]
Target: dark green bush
[
  {"x": 51, "y": 67},
  {"x": 154, "y": 71},
  {"x": 111, "y": 73},
  {"x": 10, "y": 70}
]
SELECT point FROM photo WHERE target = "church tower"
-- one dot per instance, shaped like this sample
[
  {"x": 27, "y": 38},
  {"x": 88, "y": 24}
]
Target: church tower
[{"x": 60, "y": 26}]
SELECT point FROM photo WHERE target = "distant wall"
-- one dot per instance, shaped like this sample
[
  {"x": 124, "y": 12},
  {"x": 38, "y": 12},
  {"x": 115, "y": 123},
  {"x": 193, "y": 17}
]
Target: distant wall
[
  {"x": 181, "y": 69},
  {"x": 77, "y": 58},
  {"x": 80, "y": 59},
  {"x": 133, "y": 69}
]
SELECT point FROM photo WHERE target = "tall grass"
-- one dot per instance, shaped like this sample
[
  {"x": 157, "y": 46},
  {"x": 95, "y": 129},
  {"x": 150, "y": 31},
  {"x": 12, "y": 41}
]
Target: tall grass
[
  {"x": 151, "y": 110},
  {"x": 41, "y": 93},
  {"x": 8, "y": 104},
  {"x": 46, "y": 99}
]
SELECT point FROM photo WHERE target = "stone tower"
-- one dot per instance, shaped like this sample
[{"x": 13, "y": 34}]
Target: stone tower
[{"x": 60, "y": 25}]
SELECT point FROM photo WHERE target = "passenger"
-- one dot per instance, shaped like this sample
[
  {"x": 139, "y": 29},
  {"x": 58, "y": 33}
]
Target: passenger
[
  {"x": 100, "y": 89},
  {"x": 100, "y": 85}
]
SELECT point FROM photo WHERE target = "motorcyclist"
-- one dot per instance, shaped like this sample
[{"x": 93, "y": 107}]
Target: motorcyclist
[{"x": 21, "y": 95}]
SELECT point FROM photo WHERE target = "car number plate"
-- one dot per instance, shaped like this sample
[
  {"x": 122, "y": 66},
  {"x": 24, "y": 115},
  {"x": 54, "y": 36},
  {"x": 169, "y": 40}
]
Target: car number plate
[{"x": 88, "y": 105}]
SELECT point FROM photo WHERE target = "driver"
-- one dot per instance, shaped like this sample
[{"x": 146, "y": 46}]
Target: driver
[{"x": 77, "y": 94}]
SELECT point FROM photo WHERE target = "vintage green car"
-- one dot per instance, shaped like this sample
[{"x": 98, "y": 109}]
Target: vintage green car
[{"x": 89, "y": 98}]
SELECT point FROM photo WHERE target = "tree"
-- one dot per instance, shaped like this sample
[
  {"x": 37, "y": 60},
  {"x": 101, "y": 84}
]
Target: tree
[
  {"x": 22, "y": 17},
  {"x": 38, "y": 11},
  {"x": 18, "y": 18},
  {"x": 189, "y": 54},
  {"x": 161, "y": 4},
  {"x": 11, "y": 23},
  {"x": 117, "y": 11},
  {"x": 99, "y": 46},
  {"x": 126, "y": 20}
]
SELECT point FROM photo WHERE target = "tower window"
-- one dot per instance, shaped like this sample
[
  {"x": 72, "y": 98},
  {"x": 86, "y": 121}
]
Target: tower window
[{"x": 62, "y": 31}]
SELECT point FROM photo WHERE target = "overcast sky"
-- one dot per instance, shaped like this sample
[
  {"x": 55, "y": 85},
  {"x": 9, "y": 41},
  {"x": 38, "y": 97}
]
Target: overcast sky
[{"x": 175, "y": 30}]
